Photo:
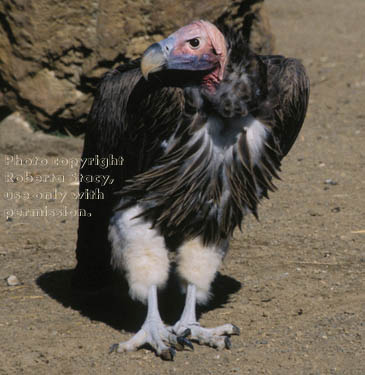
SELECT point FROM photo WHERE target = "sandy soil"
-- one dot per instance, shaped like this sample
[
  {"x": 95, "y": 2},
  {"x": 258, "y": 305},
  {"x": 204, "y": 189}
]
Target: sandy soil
[{"x": 293, "y": 282}]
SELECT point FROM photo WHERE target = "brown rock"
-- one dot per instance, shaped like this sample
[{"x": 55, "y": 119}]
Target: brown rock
[{"x": 52, "y": 54}]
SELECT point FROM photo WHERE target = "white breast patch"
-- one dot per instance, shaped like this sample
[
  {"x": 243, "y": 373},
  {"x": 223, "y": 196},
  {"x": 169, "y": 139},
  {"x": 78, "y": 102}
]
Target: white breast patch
[{"x": 256, "y": 137}]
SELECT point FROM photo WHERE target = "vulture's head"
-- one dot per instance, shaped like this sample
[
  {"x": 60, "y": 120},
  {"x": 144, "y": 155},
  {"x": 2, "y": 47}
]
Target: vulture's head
[{"x": 198, "y": 47}]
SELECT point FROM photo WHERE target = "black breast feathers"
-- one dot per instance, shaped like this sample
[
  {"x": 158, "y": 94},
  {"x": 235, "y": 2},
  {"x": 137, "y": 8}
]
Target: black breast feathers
[{"x": 225, "y": 150}]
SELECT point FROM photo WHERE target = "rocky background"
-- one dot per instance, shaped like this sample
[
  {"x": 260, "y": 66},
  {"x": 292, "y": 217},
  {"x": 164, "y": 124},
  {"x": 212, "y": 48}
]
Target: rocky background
[{"x": 52, "y": 53}]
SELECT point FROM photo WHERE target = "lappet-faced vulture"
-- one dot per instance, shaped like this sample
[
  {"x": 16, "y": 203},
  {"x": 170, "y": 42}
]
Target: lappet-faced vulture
[{"x": 202, "y": 123}]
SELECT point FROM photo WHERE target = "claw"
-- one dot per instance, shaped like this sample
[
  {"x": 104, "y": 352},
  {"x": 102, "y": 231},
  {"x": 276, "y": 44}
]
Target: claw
[
  {"x": 235, "y": 330},
  {"x": 178, "y": 347},
  {"x": 227, "y": 343},
  {"x": 184, "y": 341},
  {"x": 168, "y": 354},
  {"x": 186, "y": 333},
  {"x": 113, "y": 348}
]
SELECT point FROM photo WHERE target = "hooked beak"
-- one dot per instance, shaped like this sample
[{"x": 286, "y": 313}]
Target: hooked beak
[{"x": 153, "y": 60}]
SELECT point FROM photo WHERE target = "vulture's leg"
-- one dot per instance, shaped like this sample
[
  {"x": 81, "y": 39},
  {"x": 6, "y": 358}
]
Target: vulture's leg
[
  {"x": 140, "y": 252},
  {"x": 154, "y": 333},
  {"x": 197, "y": 266}
]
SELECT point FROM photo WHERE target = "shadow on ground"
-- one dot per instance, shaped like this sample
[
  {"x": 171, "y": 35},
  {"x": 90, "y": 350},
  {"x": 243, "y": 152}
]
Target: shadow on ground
[{"x": 114, "y": 307}]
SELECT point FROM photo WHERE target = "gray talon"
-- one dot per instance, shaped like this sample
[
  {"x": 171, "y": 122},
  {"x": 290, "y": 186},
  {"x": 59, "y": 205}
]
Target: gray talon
[
  {"x": 184, "y": 341},
  {"x": 235, "y": 330},
  {"x": 168, "y": 354},
  {"x": 186, "y": 333},
  {"x": 228, "y": 343},
  {"x": 178, "y": 345},
  {"x": 179, "y": 348},
  {"x": 113, "y": 348}
]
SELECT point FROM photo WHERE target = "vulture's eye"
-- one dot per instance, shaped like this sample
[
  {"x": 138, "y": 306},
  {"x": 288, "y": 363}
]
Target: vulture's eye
[{"x": 194, "y": 43}]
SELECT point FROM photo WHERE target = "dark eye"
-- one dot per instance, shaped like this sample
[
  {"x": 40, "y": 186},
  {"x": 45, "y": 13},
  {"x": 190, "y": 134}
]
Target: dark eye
[{"x": 194, "y": 43}]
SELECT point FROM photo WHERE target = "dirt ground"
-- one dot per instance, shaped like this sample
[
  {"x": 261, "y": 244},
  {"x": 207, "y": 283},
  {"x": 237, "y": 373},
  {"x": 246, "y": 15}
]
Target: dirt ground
[{"x": 293, "y": 282}]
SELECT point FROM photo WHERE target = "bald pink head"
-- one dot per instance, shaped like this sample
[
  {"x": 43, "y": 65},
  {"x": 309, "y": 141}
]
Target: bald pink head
[
  {"x": 198, "y": 46},
  {"x": 202, "y": 38}
]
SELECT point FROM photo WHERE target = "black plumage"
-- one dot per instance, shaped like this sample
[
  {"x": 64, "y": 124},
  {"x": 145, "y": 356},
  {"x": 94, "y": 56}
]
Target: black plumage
[
  {"x": 187, "y": 158},
  {"x": 202, "y": 123}
]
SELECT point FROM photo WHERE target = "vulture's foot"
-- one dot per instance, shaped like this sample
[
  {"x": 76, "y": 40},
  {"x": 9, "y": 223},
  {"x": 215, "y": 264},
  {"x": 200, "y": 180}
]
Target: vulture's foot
[
  {"x": 217, "y": 337},
  {"x": 158, "y": 337},
  {"x": 155, "y": 334},
  {"x": 188, "y": 326}
]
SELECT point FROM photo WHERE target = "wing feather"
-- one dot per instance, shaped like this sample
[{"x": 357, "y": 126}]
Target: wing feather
[
  {"x": 288, "y": 81},
  {"x": 130, "y": 117}
]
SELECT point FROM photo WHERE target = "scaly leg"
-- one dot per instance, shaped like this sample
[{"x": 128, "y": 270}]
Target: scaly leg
[
  {"x": 140, "y": 251},
  {"x": 217, "y": 337},
  {"x": 197, "y": 266},
  {"x": 154, "y": 333}
]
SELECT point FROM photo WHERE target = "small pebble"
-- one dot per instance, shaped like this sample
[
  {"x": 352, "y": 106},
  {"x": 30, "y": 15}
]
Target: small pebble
[
  {"x": 359, "y": 84},
  {"x": 330, "y": 182},
  {"x": 262, "y": 342},
  {"x": 12, "y": 280}
]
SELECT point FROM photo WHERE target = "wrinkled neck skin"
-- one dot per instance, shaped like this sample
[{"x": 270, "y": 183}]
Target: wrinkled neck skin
[{"x": 211, "y": 81}]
